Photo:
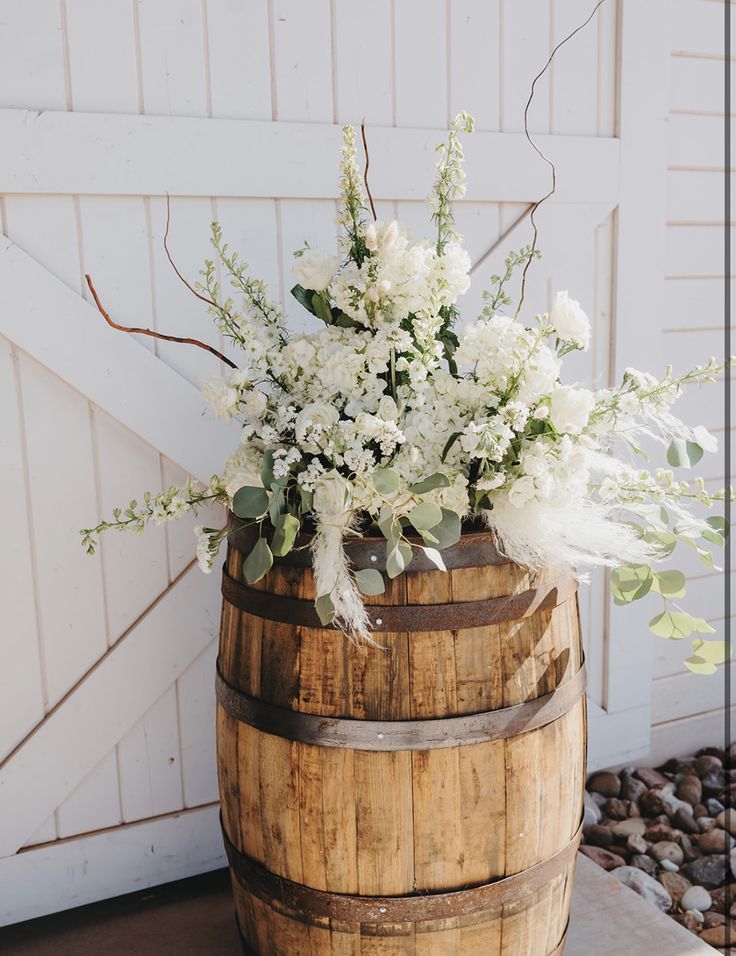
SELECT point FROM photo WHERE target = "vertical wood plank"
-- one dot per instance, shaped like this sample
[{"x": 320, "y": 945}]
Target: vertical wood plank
[
  {"x": 239, "y": 60},
  {"x": 363, "y": 64},
  {"x": 46, "y": 228},
  {"x": 525, "y": 49},
  {"x": 148, "y": 759},
  {"x": 302, "y": 67},
  {"x": 196, "y": 709},
  {"x": 421, "y": 67},
  {"x": 102, "y": 56},
  {"x": 32, "y": 56},
  {"x": 94, "y": 804},
  {"x": 21, "y": 681},
  {"x": 172, "y": 53},
  {"x": 475, "y": 61},
  {"x": 574, "y": 108}
]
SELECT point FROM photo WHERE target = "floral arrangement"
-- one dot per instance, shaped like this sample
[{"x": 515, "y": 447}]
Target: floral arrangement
[{"x": 388, "y": 418}]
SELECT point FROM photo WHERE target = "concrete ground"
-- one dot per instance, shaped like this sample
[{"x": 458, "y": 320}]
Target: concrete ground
[{"x": 195, "y": 918}]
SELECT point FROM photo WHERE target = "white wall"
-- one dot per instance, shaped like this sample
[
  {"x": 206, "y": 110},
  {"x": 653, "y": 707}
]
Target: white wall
[{"x": 83, "y": 631}]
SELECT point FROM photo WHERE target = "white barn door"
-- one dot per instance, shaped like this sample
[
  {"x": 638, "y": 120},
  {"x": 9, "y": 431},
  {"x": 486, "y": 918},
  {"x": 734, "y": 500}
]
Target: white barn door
[{"x": 107, "y": 779}]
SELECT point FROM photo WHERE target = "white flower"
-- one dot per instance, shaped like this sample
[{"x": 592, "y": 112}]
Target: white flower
[
  {"x": 254, "y": 403},
  {"x": 391, "y": 234},
  {"x": 541, "y": 413},
  {"x": 704, "y": 438},
  {"x": 521, "y": 491},
  {"x": 569, "y": 321},
  {"x": 332, "y": 495},
  {"x": 315, "y": 417},
  {"x": 314, "y": 269},
  {"x": 222, "y": 397},
  {"x": 205, "y": 554},
  {"x": 371, "y": 238},
  {"x": 570, "y": 408},
  {"x": 387, "y": 409}
]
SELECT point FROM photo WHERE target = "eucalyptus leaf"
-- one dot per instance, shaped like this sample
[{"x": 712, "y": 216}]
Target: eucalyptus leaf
[
  {"x": 370, "y": 581},
  {"x": 276, "y": 505},
  {"x": 683, "y": 454},
  {"x": 258, "y": 563},
  {"x": 435, "y": 557},
  {"x": 719, "y": 524},
  {"x": 287, "y": 528},
  {"x": 674, "y": 625},
  {"x": 425, "y": 515},
  {"x": 250, "y": 502},
  {"x": 385, "y": 481},
  {"x": 428, "y": 537},
  {"x": 663, "y": 541},
  {"x": 406, "y": 552},
  {"x": 714, "y": 537},
  {"x": 630, "y": 582},
  {"x": 267, "y": 475},
  {"x": 436, "y": 480},
  {"x": 669, "y": 583},
  {"x": 448, "y": 530},
  {"x": 395, "y": 562},
  {"x": 325, "y": 609}
]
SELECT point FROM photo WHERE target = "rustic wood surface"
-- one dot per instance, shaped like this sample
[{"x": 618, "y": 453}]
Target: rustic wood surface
[{"x": 395, "y": 823}]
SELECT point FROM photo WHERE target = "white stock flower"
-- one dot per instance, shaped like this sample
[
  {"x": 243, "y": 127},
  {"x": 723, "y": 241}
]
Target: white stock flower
[
  {"x": 332, "y": 495},
  {"x": 314, "y": 269},
  {"x": 570, "y": 409},
  {"x": 222, "y": 397},
  {"x": 569, "y": 321},
  {"x": 254, "y": 403},
  {"x": 521, "y": 491}
]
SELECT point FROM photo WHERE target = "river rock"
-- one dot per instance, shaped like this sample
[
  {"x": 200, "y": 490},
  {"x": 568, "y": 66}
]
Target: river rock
[
  {"x": 623, "y": 829},
  {"x": 718, "y": 896},
  {"x": 598, "y": 799},
  {"x": 605, "y": 783},
  {"x": 604, "y": 858},
  {"x": 689, "y": 921},
  {"x": 669, "y": 866},
  {"x": 598, "y": 835},
  {"x": 707, "y": 764},
  {"x": 686, "y": 821},
  {"x": 645, "y": 885},
  {"x": 699, "y": 811},
  {"x": 652, "y": 803},
  {"x": 591, "y": 812},
  {"x": 696, "y": 898},
  {"x": 676, "y": 885},
  {"x": 713, "y": 919},
  {"x": 715, "y": 841},
  {"x": 727, "y": 820},
  {"x": 712, "y": 784},
  {"x": 616, "y": 809},
  {"x": 660, "y": 832},
  {"x": 690, "y": 790},
  {"x": 672, "y": 804},
  {"x": 708, "y": 871},
  {"x": 652, "y": 778},
  {"x": 689, "y": 850},
  {"x": 623, "y": 851},
  {"x": 714, "y": 807},
  {"x": 637, "y": 844},
  {"x": 719, "y": 935},
  {"x": 645, "y": 863},
  {"x": 706, "y": 823},
  {"x": 632, "y": 788}
]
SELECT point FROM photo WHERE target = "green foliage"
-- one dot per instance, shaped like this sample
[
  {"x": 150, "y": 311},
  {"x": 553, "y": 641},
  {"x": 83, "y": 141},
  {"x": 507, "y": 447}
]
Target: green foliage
[
  {"x": 448, "y": 531},
  {"x": 436, "y": 480},
  {"x": 370, "y": 581},
  {"x": 250, "y": 502},
  {"x": 669, "y": 583},
  {"x": 258, "y": 563},
  {"x": 706, "y": 656},
  {"x": 386, "y": 481},
  {"x": 676, "y": 625},
  {"x": 498, "y": 298},
  {"x": 630, "y": 582},
  {"x": 395, "y": 563},
  {"x": 325, "y": 609},
  {"x": 286, "y": 529},
  {"x": 683, "y": 454},
  {"x": 425, "y": 516}
]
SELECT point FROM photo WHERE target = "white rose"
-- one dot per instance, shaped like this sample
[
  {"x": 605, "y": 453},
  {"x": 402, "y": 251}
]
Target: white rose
[
  {"x": 222, "y": 397},
  {"x": 332, "y": 494},
  {"x": 316, "y": 415},
  {"x": 521, "y": 491},
  {"x": 314, "y": 269},
  {"x": 387, "y": 409},
  {"x": 570, "y": 409},
  {"x": 254, "y": 403},
  {"x": 569, "y": 321}
]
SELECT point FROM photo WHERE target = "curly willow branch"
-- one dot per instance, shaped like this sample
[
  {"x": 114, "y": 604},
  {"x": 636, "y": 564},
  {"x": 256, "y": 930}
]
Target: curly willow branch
[{"x": 536, "y": 148}]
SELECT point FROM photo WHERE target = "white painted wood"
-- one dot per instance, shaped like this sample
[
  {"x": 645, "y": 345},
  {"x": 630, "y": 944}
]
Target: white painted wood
[
  {"x": 697, "y": 27},
  {"x": 21, "y": 678},
  {"x": 475, "y": 61},
  {"x": 239, "y": 59},
  {"x": 78, "y": 734},
  {"x": 694, "y": 250},
  {"x": 88, "y": 153},
  {"x": 149, "y": 762},
  {"x": 695, "y": 141},
  {"x": 696, "y": 85},
  {"x": 35, "y": 223},
  {"x": 574, "y": 105},
  {"x": 172, "y": 55},
  {"x": 95, "y": 803},
  {"x": 61, "y": 477},
  {"x": 75, "y": 872},
  {"x": 362, "y": 62},
  {"x": 686, "y": 695},
  {"x": 102, "y": 56},
  {"x": 618, "y": 737},
  {"x": 525, "y": 48},
  {"x": 695, "y": 304},
  {"x": 302, "y": 39},
  {"x": 420, "y": 68},
  {"x": 162, "y": 408},
  {"x": 32, "y": 55},
  {"x": 196, "y": 706},
  {"x": 685, "y": 736},
  {"x": 695, "y": 196},
  {"x": 44, "y": 834}
]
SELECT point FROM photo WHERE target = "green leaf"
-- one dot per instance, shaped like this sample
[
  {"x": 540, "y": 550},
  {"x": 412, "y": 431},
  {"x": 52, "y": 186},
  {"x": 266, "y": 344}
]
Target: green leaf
[
  {"x": 448, "y": 530},
  {"x": 370, "y": 581},
  {"x": 674, "y": 625},
  {"x": 287, "y": 528},
  {"x": 325, "y": 609},
  {"x": 669, "y": 583},
  {"x": 706, "y": 655},
  {"x": 258, "y": 563},
  {"x": 250, "y": 502},
  {"x": 719, "y": 524},
  {"x": 425, "y": 515},
  {"x": 684, "y": 454},
  {"x": 435, "y": 557},
  {"x": 267, "y": 475},
  {"x": 395, "y": 562},
  {"x": 406, "y": 552},
  {"x": 303, "y": 297},
  {"x": 306, "y": 500},
  {"x": 321, "y": 308},
  {"x": 448, "y": 444},
  {"x": 437, "y": 480},
  {"x": 428, "y": 537},
  {"x": 277, "y": 504},
  {"x": 714, "y": 537},
  {"x": 630, "y": 582},
  {"x": 385, "y": 481},
  {"x": 664, "y": 541}
]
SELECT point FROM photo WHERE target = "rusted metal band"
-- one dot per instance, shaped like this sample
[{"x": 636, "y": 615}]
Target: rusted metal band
[
  {"x": 388, "y": 735},
  {"x": 267, "y": 886},
  {"x": 402, "y": 618},
  {"x": 475, "y": 549}
]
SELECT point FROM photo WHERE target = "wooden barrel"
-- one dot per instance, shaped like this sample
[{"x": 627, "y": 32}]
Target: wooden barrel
[{"x": 419, "y": 797}]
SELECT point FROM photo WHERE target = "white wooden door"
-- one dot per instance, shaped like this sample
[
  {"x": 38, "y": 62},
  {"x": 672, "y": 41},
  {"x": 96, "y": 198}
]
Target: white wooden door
[{"x": 107, "y": 782}]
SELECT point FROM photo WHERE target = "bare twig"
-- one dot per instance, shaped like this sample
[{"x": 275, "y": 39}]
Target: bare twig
[
  {"x": 155, "y": 335},
  {"x": 365, "y": 171},
  {"x": 189, "y": 286},
  {"x": 547, "y": 160}
]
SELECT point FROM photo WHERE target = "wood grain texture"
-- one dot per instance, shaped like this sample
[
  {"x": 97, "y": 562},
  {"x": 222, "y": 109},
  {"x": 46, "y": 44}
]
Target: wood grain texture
[{"x": 403, "y": 822}]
